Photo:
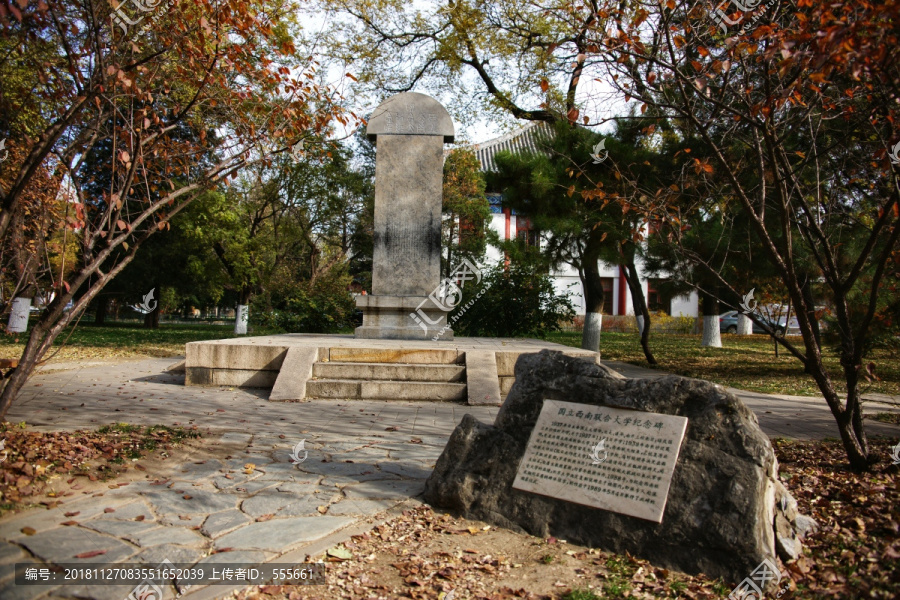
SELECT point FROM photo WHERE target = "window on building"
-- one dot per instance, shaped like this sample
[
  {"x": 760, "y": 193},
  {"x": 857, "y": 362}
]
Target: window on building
[
  {"x": 607, "y": 295},
  {"x": 526, "y": 233},
  {"x": 657, "y": 298}
]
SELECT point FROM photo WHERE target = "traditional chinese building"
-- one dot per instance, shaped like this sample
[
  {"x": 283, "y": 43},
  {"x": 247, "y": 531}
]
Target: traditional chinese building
[{"x": 510, "y": 225}]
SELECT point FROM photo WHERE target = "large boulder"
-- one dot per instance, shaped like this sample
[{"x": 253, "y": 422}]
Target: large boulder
[{"x": 726, "y": 509}]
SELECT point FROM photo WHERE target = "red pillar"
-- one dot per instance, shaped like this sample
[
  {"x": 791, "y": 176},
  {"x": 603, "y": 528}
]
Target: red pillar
[
  {"x": 506, "y": 213},
  {"x": 623, "y": 285}
]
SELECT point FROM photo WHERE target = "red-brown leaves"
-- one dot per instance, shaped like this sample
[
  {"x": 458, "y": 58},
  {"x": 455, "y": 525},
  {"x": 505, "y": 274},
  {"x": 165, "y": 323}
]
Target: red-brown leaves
[{"x": 35, "y": 460}]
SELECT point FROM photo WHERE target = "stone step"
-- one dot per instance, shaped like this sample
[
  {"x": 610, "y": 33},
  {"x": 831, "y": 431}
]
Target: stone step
[
  {"x": 423, "y": 356},
  {"x": 389, "y": 371},
  {"x": 347, "y": 389}
]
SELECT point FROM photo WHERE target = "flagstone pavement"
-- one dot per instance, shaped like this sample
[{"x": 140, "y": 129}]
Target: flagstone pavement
[{"x": 361, "y": 462}]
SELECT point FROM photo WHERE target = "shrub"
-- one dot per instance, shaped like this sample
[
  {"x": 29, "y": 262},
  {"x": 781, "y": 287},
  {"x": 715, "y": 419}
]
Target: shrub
[
  {"x": 511, "y": 301},
  {"x": 297, "y": 307},
  {"x": 660, "y": 322}
]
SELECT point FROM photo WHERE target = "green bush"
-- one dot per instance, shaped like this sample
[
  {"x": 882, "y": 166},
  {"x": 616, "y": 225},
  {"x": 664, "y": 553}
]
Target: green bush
[
  {"x": 511, "y": 301},
  {"x": 295, "y": 307}
]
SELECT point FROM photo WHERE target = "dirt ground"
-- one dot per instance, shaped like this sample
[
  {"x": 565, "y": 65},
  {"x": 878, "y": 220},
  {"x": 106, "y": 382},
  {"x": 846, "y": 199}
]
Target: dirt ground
[{"x": 431, "y": 555}]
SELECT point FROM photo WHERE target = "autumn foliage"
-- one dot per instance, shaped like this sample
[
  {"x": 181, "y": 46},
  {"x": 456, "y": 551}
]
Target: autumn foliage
[{"x": 133, "y": 123}]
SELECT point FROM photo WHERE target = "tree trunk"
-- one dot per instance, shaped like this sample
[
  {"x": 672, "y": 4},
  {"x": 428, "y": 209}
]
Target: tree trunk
[
  {"x": 242, "y": 315},
  {"x": 806, "y": 291},
  {"x": 712, "y": 337},
  {"x": 52, "y": 321},
  {"x": 102, "y": 310},
  {"x": 593, "y": 325},
  {"x": 18, "y": 315},
  {"x": 241, "y": 318},
  {"x": 744, "y": 325},
  {"x": 593, "y": 298},
  {"x": 848, "y": 417},
  {"x": 639, "y": 303},
  {"x": 151, "y": 319}
]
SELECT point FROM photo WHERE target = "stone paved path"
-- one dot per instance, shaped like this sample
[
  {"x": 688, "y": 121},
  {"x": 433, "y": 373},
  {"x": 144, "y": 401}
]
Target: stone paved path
[
  {"x": 210, "y": 505},
  {"x": 363, "y": 458}
]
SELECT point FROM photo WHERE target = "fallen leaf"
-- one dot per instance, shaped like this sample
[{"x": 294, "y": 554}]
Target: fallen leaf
[{"x": 339, "y": 553}]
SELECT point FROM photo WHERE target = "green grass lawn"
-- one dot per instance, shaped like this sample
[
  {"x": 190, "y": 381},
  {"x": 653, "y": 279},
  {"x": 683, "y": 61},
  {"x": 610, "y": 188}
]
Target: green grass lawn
[{"x": 745, "y": 362}]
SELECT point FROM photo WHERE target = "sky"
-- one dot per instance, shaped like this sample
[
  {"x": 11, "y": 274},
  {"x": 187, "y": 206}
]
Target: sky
[{"x": 476, "y": 130}]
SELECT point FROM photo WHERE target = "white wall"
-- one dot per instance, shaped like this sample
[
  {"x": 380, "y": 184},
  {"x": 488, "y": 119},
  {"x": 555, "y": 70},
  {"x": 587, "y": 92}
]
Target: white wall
[
  {"x": 566, "y": 278},
  {"x": 686, "y": 306}
]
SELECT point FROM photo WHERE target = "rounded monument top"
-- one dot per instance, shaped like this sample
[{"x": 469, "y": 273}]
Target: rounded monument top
[{"x": 411, "y": 113}]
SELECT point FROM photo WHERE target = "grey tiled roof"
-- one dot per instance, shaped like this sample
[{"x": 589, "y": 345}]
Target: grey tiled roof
[{"x": 522, "y": 139}]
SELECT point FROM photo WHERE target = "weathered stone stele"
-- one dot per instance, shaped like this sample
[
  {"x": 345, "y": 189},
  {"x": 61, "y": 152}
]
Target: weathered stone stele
[
  {"x": 724, "y": 513},
  {"x": 409, "y": 131}
]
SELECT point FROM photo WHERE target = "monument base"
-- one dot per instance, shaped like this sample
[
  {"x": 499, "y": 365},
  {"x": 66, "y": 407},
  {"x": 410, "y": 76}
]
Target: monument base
[
  {"x": 298, "y": 366},
  {"x": 402, "y": 333},
  {"x": 402, "y": 318}
]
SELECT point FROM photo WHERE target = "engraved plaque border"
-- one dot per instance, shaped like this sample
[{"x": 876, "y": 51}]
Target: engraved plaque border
[{"x": 557, "y": 461}]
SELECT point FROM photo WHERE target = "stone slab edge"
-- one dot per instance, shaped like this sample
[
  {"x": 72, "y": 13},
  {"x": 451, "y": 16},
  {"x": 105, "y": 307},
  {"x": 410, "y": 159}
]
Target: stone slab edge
[
  {"x": 252, "y": 378},
  {"x": 506, "y": 359},
  {"x": 481, "y": 378},
  {"x": 295, "y": 371},
  {"x": 213, "y": 592}
]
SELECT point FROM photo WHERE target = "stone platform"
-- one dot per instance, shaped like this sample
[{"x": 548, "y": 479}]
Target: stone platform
[{"x": 300, "y": 366}]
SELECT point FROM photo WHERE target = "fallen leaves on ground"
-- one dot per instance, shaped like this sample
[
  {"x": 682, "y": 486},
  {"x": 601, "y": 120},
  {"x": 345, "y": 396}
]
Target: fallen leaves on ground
[
  {"x": 425, "y": 555},
  {"x": 856, "y": 551},
  {"x": 34, "y": 459}
]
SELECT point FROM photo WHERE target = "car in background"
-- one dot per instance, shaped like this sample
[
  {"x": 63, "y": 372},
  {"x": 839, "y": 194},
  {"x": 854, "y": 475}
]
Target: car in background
[{"x": 728, "y": 324}]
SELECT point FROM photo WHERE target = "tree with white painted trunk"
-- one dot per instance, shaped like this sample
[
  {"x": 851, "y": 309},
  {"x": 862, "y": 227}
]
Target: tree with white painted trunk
[
  {"x": 744, "y": 324},
  {"x": 241, "y": 319},
  {"x": 712, "y": 337}
]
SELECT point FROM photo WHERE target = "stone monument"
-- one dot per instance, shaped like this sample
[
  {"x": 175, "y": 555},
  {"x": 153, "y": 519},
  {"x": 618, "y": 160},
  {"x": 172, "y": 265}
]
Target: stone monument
[
  {"x": 409, "y": 131},
  {"x": 672, "y": 470}
]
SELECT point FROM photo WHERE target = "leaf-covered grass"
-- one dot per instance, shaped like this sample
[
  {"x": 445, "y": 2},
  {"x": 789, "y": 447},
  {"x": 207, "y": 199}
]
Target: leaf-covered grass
[
  {"x": 893, "y": 418},
  {"x": 745, "y": 362},
  {"x": 120, "y": 340},
  {"x": 124, "y": 340}
]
